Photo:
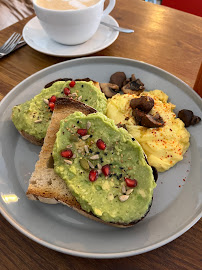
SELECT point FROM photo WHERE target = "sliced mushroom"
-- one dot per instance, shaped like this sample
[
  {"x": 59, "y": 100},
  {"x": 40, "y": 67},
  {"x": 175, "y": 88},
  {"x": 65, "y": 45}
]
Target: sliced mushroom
[
  {"x": 152, "y": 121},
  {"x": 147, "y": 120},
  {"x": 144, "y": 103},
  {"x": 195, "y": 120},
  {"x": 138, "y": 115},
  {"x": 118, "y": 78},
  {"x": 107, "y": 89},
  {"x": 134, "y": 86},
  {"x": 188, "y": 117}
]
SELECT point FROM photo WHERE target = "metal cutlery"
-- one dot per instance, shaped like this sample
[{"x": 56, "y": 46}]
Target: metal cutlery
[
  {"x": 120, "y": 29},
  {"x": 10, "y": 44}
]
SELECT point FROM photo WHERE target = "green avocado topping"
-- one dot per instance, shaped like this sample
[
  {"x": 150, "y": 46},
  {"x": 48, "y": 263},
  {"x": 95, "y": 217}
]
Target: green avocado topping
[
  {"x": 108, "y": 197},
  {"x": 34, "y": 115}
]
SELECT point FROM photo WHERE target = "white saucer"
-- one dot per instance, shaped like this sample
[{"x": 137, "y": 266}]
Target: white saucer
[{"x": 35, "y": 37}]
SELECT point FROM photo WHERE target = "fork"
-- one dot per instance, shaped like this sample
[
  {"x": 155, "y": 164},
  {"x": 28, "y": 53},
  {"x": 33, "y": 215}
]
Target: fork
[{"x": 10, "y": 44}]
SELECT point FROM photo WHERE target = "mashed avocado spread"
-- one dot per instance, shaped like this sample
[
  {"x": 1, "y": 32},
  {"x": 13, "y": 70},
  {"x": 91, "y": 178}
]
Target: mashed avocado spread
[
  {"x": 96, "y": 159},
  {"x": 34, "y": 115}
]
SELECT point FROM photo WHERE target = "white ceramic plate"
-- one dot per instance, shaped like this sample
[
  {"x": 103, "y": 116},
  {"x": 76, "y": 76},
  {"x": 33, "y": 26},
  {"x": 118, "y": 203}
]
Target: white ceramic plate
[
  {"x": 37, "y": 38},
  {"x": 175, "y": 209}
]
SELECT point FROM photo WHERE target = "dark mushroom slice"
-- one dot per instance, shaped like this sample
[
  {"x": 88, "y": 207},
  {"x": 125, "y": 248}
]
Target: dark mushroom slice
[
  {"x": 188, "y": 117},
  {"x": 144, "y": 103},
  {"x": 147, "y": 120},
  {"x": 151, "y": 121},
  {"x": 118, "y": 78},
  {"x": 134, "y": 86},
  {"x": 138, "y": 115},
  {"x": 107, "y": 89},
  {"x": 195, "y": 120}
]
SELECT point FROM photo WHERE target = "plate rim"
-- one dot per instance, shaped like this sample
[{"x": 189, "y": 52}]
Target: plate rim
[
  {"x": 99, "y": 255},
  {"x": 70, "y": 55}
]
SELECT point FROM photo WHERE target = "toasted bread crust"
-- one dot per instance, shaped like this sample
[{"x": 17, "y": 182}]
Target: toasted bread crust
[
  {"x": 31, "y": 138},
  {"x": 51, "y": 188}
]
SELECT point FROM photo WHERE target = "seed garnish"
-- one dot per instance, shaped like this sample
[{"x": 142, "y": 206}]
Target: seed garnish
[
  {"x": 80, "y": 98},
  {"x": 46, "y": 101},
  {"x": 68, "y": 161},
  {"x": 91, "y": 165},
  {"x": 38, "y": 121},
  {"x": 94, "y": 157},
  {"x": 86, "y": 148},
  {"x": 85, "y": 137},
  {"x": 123, "y": 189},
  {"x": 129, "y": 191},
  {"x": 88, "y": 125},
  {"x": 123, "y": 198},
  {"x": 69, "y": 146},
  {"x": 99, "y": 166}
]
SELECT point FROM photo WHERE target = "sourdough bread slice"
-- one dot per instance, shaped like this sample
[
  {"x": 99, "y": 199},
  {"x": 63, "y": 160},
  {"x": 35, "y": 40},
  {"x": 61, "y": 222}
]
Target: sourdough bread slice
[
  {"x": 33, "y": 139},
  {"x": 45, "y": 185}
]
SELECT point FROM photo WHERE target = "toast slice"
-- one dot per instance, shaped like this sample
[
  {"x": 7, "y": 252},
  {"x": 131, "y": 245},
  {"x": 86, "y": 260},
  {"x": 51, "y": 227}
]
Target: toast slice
[
  {"x": 45, "y": 185},
  {"x": 32, "y": 138}
]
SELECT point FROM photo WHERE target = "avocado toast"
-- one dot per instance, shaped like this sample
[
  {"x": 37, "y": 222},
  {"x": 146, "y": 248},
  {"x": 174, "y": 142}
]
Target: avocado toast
[
  {"x": 33, "y": 117},
  {"x": 105, "y": 174}
]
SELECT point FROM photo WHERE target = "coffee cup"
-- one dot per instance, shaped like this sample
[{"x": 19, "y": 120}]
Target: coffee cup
[{"x": 72, "y": 26}]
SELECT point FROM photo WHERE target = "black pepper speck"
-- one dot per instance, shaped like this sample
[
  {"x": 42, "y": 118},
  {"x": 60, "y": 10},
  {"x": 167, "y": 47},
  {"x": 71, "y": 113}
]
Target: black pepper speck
[{"x": 133, "y": 139}]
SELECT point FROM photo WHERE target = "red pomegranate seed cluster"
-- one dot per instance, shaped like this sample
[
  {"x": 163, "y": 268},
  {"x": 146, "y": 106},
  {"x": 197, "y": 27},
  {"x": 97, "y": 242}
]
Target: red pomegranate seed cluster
[
  {"x": 100, "y": 144},
  {"x": 66, "y": 91},
  {"x": 93, "y": 175},
  {"x": 130, "y": 182},
  {"x": 51, "y": 103},
  {"x": 106, "y": 170},
  {"x": 72, "y": 83},
  {"x": 82, "y": 132},
  {"x": 67, "y": 153}
]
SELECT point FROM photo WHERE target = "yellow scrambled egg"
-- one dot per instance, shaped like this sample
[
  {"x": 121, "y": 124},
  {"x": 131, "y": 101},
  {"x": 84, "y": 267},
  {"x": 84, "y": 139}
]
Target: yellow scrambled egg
[{"x": 163, "y": 146}]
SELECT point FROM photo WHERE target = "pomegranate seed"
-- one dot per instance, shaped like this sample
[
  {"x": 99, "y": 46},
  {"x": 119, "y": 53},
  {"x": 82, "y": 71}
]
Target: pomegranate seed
[
  {"x": 93, "y": 174},
  {"x": 66, "y": 91},
  {"x": 67, "y": 153},
  {"x": 130, "y": 182},
  {"x": 51, "y": 105},
  {"x": 82, "y": 131},
  {"x": 100, "y": 144},
  {"x": 72, "y": 83},
  {"x": 106, "y": 170},
  {"x": 52, "y": 99}
]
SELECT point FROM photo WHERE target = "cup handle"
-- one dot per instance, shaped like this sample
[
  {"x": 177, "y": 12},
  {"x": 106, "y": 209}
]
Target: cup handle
[{"x": 109, "y": 7}]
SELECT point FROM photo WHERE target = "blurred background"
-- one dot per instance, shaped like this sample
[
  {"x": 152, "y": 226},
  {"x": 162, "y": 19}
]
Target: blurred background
[{"x": 14, "y": 10}]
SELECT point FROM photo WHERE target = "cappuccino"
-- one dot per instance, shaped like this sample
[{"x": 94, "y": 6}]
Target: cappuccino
[{"x": 66, "y": 4}]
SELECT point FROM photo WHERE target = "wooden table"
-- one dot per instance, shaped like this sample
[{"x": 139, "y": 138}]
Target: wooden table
[{"x": 164, "y": 37}]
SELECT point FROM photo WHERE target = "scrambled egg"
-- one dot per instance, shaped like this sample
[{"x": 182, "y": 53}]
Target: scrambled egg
[{"x": 163, "y": 146}]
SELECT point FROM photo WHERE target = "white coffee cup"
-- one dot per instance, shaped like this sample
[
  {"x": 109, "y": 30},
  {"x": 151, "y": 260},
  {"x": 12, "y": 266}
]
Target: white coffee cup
[{"x": 72, "y": 27}]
